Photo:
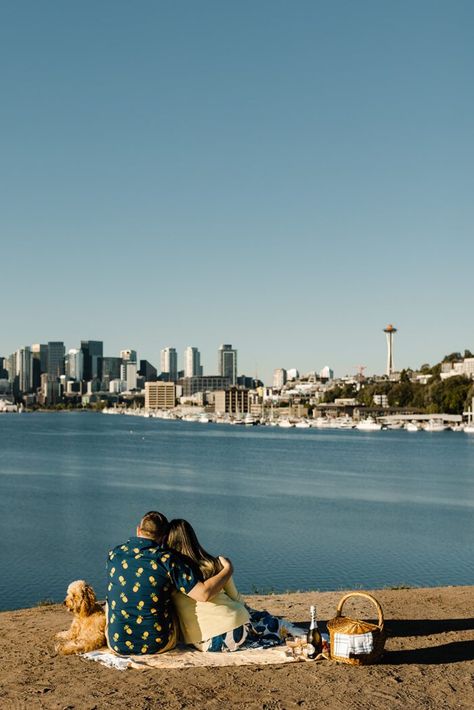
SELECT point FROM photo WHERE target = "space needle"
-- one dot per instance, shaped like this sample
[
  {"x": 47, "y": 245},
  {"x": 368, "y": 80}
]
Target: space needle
[{"x": 390, "y": 331}]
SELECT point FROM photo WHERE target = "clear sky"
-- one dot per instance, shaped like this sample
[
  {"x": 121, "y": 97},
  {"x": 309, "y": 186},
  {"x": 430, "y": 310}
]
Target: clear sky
[{"x": 288, "y": 177}]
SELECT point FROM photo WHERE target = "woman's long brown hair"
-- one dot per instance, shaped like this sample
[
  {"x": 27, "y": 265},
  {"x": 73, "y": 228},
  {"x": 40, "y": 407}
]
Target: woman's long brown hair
[{"x": 183, "y": 539}]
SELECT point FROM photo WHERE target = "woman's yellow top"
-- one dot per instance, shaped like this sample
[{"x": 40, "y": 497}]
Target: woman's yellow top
[{"x": 201, "y": 621}]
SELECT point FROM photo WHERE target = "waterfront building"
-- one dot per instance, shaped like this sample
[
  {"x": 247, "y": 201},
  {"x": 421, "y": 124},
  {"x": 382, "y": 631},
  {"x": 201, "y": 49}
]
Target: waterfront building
[
  {"x": 160, "y": 395},
  {"x": 279, "y": 378},
  {"x": 74, "y": 364},
  {"x": 169, "y": 363},
  {"x": 234, "y": 400},
  {"x": 129, "y": 355},
  {"x": 148, "y": 371},
  {"x": 192, "y": 362},
  {"x": 227, "y": 362},
  {"x": 93, "y": 352},
  {"x": 24, "y": 369},
  {"x": 128, "y": 373},
  {"x": 390, "y": 331},
  {"x": 206, "y": 383},
  {"x": 56, "y": 353}
]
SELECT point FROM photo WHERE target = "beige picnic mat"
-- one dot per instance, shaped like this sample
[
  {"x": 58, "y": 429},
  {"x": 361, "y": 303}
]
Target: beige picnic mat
[{"x": 185, "y": 657}]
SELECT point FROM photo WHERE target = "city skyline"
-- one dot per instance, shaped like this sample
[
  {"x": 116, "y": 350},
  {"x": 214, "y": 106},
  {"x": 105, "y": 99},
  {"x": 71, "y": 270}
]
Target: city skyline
[
  {"x": 186, "y": 363},
  {"x": 289, "y": 178}
]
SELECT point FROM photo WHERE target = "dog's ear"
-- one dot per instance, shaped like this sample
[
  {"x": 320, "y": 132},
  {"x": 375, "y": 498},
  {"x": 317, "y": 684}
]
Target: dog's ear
[{"x": 88, "y": 600}]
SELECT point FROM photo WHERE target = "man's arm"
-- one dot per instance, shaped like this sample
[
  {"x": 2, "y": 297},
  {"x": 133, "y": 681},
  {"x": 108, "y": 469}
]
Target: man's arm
[{"x": 203, "y": 591}]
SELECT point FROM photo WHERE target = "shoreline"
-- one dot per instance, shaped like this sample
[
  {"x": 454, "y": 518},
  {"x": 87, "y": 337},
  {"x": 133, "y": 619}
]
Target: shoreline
[
  {"x": 261, "y": 594},
  {"x": 428, "y": 662}
]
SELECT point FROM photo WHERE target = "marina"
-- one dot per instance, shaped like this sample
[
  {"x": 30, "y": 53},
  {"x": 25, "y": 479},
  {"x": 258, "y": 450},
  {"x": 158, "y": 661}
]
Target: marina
[{"x": 409, "y": 422}]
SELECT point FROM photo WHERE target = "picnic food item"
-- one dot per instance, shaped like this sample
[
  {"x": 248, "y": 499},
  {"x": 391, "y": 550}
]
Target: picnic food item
[
  {"x": 314, "y": 640},
  {"x": 354, "y": 641}
]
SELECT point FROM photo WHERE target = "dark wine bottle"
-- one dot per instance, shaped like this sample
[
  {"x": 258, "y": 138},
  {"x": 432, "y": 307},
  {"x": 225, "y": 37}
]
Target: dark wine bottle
[{"x": 314, "y": 640}]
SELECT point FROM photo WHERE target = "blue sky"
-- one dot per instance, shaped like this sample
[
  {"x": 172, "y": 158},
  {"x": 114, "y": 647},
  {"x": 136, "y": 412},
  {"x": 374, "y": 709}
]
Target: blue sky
[{"x": 288, "y": 177}]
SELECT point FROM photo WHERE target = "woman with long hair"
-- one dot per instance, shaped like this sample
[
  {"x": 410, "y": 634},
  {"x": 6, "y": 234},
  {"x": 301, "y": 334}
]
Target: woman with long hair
[{"x": 224, "y": 623}]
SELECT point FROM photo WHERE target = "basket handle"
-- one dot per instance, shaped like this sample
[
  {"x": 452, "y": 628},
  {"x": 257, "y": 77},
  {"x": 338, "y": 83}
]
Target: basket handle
[{"x": 365, "y": 595}]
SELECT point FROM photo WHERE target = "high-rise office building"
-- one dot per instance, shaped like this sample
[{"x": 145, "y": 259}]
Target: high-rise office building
[
  {"x": 110, "y": 370},
  {"x": 227, "y": 362},
  {"x": 74, "y": 365},
  {"x": 3, "y": 370},
  {"x": 56, "y": 353},
  {"x": 24, "y": 368},
  {"x": 169, "y": 363},
  {"x": 207, "y": 383},
  {"x": 10, "y": 366},
  {"x": 39, "y": 352},
  {"x": 192, "y": 362},
  {"x": 148, "y": 371},
  {"x": 93, "y": 352}
]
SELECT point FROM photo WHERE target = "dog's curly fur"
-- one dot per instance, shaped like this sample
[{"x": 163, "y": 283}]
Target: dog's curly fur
[{"x": 87, "y": 631}]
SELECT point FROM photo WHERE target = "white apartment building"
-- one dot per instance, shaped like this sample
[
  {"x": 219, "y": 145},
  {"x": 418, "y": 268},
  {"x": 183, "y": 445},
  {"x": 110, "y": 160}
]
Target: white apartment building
[
  {"x": 128, "y": 373},
  {"x": 326, "y": 373},
  {"x": 279, "y": 378},
  {"x": 117, "y": 386},
  {"x": 456, "y": 369}
]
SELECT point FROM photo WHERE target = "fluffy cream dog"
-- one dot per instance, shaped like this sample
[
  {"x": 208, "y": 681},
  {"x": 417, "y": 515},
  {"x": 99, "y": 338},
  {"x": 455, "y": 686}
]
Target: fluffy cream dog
[{"x": 87, "y": 631}]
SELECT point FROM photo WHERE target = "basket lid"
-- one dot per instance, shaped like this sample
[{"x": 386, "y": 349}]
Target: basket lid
[{"x": 346, "y": 625}]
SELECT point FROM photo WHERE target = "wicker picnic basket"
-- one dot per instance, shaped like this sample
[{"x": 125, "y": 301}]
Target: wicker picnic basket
[{"x": 356, "y": 642}]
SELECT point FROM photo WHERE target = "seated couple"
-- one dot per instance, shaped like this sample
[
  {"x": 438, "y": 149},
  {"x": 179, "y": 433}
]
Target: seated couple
[{"x": 162, "y": 580}]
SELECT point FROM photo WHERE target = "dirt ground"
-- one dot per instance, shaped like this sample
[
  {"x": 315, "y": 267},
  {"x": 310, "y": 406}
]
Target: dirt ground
[{"x": 428, "y": 663}]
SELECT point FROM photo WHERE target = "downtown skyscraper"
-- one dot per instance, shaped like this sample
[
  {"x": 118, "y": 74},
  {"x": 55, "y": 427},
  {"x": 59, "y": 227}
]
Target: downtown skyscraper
[
  {"x": 169, "y": 363},
  {"x": 227, "y": 362}
]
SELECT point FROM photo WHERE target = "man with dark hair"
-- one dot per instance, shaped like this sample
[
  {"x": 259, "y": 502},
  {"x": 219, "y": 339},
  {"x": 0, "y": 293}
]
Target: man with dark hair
[{"x": 142, "y": 573}]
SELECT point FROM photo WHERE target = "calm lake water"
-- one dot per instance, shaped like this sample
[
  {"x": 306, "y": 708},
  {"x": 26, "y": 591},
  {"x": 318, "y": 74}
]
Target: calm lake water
[{"x": 294, "y": 509}]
